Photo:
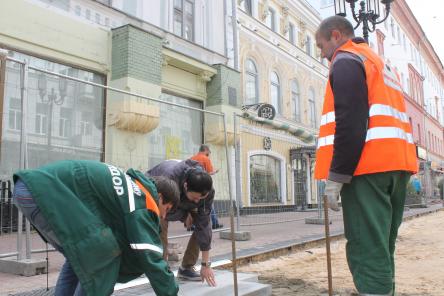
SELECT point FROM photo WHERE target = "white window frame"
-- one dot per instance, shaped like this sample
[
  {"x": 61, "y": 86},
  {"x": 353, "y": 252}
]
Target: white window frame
[
  {"x": 181, "y": 12},
  {"x": 279, "y": 92},
  {"x": 16, "y": 113},
  {"x": 291, "y": 33},
  {"x": 295, "y": 94},
  {"x": 270, "y": 21},
  {"x": 256, "y": 78},
  {"x": 283, "y": 166},
  {"x": 312, "y": 107}
]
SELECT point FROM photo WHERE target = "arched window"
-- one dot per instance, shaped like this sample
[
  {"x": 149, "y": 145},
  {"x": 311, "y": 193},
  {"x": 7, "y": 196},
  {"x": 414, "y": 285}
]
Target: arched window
[
  {"x": 308, "y": 45},
  {"x": 265, "y": 179},
  {"x": 251, "y": 83},
  {"x": 295, "y": 100},
  {"x": 275, "y": 92},
  {"x": 312, "y": 107}
]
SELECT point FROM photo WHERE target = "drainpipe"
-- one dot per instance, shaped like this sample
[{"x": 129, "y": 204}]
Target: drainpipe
[
  {"x": 234, "y": 24},
  {"x": 225, "y": 28}
]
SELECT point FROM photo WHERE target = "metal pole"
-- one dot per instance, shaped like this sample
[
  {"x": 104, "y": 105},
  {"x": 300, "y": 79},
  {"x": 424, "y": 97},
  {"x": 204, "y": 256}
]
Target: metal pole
[
  {"x": 320, "y": 191},
  {"x": 237, "y": 172},
  {"x": 365, "y": 16},
  {"x": 230, "y": 189},
  {"x": 234, "y": 24},
  {"x": 23, "y": 160},
  {"x": 327, "y": 245}
]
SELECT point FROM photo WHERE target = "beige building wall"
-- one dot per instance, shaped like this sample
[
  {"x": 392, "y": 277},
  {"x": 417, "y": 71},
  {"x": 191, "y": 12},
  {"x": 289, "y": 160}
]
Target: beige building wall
[
  {"x": 31, "y": 29},
  {"x": 295, "y": 58}
]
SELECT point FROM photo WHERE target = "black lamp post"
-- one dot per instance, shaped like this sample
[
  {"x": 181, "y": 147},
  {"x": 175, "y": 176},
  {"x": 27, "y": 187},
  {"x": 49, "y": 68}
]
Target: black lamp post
[
  {"x": 369, "y": 13},
  {"x": 51, "y": 98}
]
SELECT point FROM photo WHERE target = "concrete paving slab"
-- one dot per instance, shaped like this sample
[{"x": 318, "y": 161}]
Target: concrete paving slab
[
  {"x": 247, "y": 285},
  {"x": 238, "y": 235}
]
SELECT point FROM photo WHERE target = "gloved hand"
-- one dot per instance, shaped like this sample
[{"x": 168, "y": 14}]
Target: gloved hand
[{"x": 332, "y": 190}]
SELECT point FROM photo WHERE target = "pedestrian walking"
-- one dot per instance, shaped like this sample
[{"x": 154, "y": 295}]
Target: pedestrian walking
[
  {"x": 203, "y": 157},
  {"x": 365, "y": 152},
  {"x": 416, "y": 184},
  {"x": 104, "y": 221},
  {"x": 196, "y": 199}
]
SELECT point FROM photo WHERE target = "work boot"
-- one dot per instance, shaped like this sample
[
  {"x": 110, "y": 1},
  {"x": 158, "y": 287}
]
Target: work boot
[
  {"x": 189, "y": 274},
  {"x": 217, "y": 226}
]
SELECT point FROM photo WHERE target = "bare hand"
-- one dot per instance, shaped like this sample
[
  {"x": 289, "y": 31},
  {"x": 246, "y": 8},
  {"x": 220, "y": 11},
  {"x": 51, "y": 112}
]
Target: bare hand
[
  {"x": 189, "y": 221},
  {"x": 207, "y": 274}
]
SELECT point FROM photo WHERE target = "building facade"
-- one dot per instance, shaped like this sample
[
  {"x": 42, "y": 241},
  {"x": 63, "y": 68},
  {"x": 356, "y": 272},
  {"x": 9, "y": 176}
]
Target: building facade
[
  {"x": 280, "y": 66},
  {"x": 171, "y": 51}
]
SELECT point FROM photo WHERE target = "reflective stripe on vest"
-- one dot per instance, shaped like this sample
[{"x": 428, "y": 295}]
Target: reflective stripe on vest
[
  {"x": 328, "y": 118},
  {"x": 132, "y": 204},
  {"x": 146, "y": 247},
  {"x": 373, "y": 133}
]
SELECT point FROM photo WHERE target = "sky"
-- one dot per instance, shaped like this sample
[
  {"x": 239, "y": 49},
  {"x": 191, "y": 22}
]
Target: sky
[{"x": 430, "y": 14}]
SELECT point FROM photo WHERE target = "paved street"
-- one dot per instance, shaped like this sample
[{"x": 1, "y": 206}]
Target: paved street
[{"x": 264, "y": 238}]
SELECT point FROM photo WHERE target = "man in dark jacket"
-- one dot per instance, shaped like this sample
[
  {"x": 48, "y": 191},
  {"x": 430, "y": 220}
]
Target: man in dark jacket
[
  {"x": 196, "y": 199},
  {"x": 104, "y": 221}
]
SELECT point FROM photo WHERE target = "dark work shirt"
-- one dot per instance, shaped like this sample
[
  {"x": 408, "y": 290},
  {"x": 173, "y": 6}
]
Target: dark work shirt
[
  {"x": 348, "y": 83},
  {"x": 177, "y": 171}
]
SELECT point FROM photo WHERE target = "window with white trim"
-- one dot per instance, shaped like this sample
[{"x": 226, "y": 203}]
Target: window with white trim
[
  {"x": 275, "y": 92},
  {"x": 270, "y": 21},
  {"x": 265, "y": 179},
  {"x": 291, "y": 33},
  {"x": 312, "y": 108},
  {"x": 295, "y": 100},
  {"x": 248, "y": 8},
  {"x": 251, "y": 83},
  {"x": 65, "y": 121},
  {"x": 184, "y": 19},
  {"x": 15, "y": 114},
  {"x": 41, "y": 119},
  {"x": 308, "y": 48},
  {"x": 86, "y": 124}
]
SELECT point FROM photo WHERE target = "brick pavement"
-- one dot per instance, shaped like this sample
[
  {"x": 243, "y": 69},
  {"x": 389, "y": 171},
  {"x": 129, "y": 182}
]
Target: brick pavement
[{"x": 264, "y": 238}]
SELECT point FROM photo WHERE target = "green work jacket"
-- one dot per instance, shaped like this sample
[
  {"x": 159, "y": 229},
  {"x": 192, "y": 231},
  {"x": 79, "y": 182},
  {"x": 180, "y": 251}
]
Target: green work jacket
[{"x": 100, "y": 216}]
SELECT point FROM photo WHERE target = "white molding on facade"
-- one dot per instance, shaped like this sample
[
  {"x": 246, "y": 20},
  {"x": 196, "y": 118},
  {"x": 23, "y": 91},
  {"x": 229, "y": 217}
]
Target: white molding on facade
[
  {"x": 271, "y": 134},
  {"x": 283, "y": 167}
]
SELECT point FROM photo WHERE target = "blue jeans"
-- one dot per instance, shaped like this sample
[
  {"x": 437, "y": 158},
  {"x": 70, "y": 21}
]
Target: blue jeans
[
  {"x": 67, "y": 283},
  {"x": 214, "y": 220}
]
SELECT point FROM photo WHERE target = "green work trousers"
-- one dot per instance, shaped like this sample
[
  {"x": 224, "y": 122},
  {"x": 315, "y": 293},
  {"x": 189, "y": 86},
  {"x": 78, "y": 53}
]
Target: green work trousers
[{"x": 373, "y": 206}]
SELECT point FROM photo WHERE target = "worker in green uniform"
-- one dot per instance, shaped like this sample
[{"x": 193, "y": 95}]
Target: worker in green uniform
[{"x": 103, "y": 220}]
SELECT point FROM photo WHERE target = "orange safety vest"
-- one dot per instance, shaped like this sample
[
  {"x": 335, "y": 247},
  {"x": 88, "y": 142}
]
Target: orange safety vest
[{"x": 389, "y": 142}]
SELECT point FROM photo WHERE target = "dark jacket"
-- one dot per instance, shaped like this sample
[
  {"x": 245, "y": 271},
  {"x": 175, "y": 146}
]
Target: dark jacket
[
  {"x": 349, "y": 86},
  {"x": 177, "y": 171}
]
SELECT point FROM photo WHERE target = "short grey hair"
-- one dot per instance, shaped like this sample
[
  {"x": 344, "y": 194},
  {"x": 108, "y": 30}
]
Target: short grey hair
[{"x": 335, "y": 23}]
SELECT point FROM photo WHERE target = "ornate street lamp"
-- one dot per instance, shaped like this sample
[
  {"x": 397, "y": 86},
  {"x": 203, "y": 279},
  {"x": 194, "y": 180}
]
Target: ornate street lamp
[
  {"x": 369, "y": 13},
  {"x": 51, "y": 98}
]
